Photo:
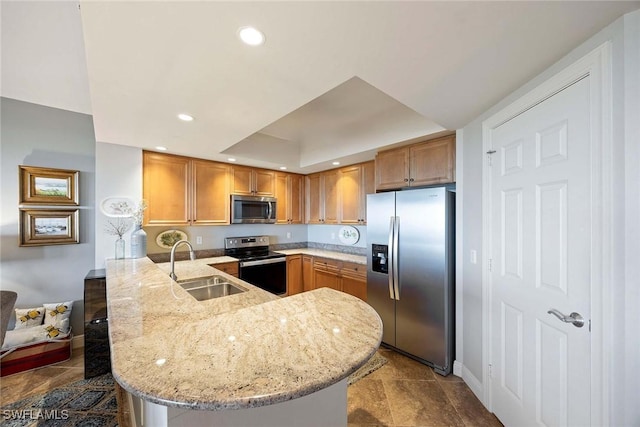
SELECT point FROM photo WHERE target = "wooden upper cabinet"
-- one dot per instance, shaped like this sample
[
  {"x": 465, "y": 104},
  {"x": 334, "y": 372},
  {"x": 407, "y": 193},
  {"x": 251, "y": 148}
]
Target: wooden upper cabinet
[
  {"x": 253, "y": 182},
  {"x": 392, "y": 169},
  {"x": 355, "y": 183},
  {"x": 322, "y": 199},
  {"x": 289, "y": 190},
  {"x": 425, "y": 163},
  {"x": 313, "y": 207},
  {"x": 433, "y": 162},
  {"x": 210, "y": 204},
  {"x": 184, "y": 191},
  {"x": 331, "y": 197},
  {"x": 166, "y": 188}
]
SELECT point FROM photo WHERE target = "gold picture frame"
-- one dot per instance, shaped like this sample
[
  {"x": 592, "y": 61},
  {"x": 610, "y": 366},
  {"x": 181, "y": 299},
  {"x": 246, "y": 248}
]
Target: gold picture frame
[
  {"x": 40, "y": 227},
  {"x": 48, "y": 186}
]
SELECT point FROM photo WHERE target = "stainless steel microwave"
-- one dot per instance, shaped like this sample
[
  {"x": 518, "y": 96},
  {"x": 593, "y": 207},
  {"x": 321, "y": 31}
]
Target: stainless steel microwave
[{"x": 253, "y": 210}]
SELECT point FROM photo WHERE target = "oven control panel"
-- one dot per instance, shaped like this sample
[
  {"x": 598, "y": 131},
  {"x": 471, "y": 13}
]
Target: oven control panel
[{"x": 245, "y": 242}]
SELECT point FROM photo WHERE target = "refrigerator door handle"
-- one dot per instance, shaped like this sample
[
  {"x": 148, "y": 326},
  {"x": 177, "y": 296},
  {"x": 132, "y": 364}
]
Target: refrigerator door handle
[
  {"x": 396, "y": 278},
  {"x": 391, "y": 256}
]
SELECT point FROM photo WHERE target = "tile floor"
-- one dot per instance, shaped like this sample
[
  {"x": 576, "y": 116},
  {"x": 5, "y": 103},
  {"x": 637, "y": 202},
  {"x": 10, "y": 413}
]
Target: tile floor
[
  {"x": 406, "y": 393},
  {"x": 401, "y": 393}
]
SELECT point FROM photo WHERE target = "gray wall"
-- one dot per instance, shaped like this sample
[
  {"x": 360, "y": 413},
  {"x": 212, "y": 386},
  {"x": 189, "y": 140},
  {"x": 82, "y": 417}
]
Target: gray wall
[
  {"x": 47, "y": 137},
  {"x": 623, "y": 35}
]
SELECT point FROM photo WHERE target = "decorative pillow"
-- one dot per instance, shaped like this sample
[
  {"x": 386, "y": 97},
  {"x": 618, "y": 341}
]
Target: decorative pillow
[
  {"x": 29, "y": 317},
  {"x": 23, "y": 335},
  {"x": 56, "y": 313}
]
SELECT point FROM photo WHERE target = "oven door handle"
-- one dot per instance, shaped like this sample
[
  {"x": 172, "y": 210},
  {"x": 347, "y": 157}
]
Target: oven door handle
[{"x": 262, "y": 262}]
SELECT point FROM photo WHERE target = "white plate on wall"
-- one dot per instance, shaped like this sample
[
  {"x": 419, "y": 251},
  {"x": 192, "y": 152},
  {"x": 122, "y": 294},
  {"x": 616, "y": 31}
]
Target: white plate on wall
[
  {"x": 117, "y": 207},
  {"x": 168, "y": 238},
  {"x": 349, "y": 235}
]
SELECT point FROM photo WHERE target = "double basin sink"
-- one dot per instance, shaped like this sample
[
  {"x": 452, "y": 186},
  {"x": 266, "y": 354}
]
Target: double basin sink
[{"x": 205, "y": 288}]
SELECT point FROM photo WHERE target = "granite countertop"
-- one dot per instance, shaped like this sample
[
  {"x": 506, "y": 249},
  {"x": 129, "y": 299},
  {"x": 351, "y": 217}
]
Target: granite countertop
[
  {"x": 240, "y": 351},
  {"x": 340, "y": 256}
]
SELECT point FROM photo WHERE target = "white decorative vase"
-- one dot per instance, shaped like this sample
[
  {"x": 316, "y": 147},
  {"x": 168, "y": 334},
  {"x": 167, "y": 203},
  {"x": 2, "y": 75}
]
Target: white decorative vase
[{"x": 138, "y": 242}]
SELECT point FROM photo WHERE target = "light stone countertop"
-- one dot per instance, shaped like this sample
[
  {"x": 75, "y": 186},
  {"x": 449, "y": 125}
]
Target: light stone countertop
[
  {"x": 239, "y": 351},
  {"x": 340, "y": 256}
]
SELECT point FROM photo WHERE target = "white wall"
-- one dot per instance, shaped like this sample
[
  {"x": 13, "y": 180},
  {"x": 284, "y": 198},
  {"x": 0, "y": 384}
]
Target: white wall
[
  {"x": 47, "y": 137},
  {"x": 624, "y": 370}
]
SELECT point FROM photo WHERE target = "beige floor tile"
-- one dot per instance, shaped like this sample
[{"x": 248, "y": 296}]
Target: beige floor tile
[
  {"x": 401, "y": 367},
  {"x": 420, "y": 403},
  {"x": 470, "y": 409},
  {"x": 367, "y": 404}
]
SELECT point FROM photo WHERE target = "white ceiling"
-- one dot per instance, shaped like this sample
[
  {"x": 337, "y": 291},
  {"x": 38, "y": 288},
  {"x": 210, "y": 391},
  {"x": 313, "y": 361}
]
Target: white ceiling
[{"x": 334, "y": 80}]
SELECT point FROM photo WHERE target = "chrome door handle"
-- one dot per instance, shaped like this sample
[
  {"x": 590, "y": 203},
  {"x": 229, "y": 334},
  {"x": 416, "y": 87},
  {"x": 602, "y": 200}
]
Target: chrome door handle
[
  {"x": 390, "y": 256},
  {"x": 574, "y": 318}
]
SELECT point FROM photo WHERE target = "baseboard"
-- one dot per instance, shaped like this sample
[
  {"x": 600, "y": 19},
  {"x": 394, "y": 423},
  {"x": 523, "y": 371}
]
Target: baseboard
[
  {"x": 457, "y": 368},
  {"x": 77, "y": 342},
  {"x": 474, "y": 384}
]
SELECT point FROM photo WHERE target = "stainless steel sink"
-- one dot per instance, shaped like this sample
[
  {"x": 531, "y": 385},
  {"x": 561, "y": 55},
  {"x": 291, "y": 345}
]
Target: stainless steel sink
[{"x": 204, "y": 288}]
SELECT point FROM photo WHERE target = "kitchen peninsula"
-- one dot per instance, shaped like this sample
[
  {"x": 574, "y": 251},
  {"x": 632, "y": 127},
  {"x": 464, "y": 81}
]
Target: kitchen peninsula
[{"x": 245, "y": 359}]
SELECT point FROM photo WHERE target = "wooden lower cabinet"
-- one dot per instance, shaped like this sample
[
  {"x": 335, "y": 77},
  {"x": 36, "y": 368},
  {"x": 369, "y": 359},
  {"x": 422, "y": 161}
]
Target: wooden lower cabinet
[
  {"x": 343, "y": 276},
  {"x": 294, "y": 274},
  {"x": 228, "y": 267},
  {"x": 307, "y": 273}
]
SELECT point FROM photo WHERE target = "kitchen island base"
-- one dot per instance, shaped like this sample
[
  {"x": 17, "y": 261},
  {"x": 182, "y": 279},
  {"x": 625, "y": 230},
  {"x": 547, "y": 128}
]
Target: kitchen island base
[{"x": 324, "y": 408}]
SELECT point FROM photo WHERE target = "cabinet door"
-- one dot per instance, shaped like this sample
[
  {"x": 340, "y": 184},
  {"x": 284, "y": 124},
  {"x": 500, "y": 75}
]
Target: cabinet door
[
  {"x": 264, "y": 182},
  {"x": 392, "y": 169},
  {"x": 325, "y": 275},
  {"x": 433, "y": 162},
  {"x": 165, "y": 187},
  {"x": 210, "y": 193},
  {"x": 294, "y": 274},
  {"x": 283, "y": 196},
  {"x": 350, "y": 195},
  {"x": 331, "y": 196},
  {"x": 354, "y": 280},
  {"x": 242, "y": 181},
  {"x": 314, "y": 213},
  {"x": 307, "y": 273},
  {"x": 368, "y": 187},
  {"x": 296, "y": 199},
  {"x": 228, "y": 267}
]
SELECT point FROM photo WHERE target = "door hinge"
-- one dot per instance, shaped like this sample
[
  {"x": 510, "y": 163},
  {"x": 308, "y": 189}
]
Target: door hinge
[
  {"x": 490, "y": 371},
  {"x": 490, "y": 264},
  {"x": 489, "y": 153}
]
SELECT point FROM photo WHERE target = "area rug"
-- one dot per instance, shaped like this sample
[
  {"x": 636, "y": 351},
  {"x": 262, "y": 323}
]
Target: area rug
[
  {"x": 84, "y": 403},
  {"x": 372, "y": 364}
]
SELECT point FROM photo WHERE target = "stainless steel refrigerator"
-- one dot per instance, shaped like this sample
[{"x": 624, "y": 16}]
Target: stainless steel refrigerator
[{"x": 410, "y": 271}]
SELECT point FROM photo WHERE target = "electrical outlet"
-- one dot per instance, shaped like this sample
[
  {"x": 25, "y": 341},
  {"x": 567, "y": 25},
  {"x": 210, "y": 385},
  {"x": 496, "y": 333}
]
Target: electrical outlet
[
  {"x": 198, "y": 240},
  {"x": 473, "y": 256},
  {"x": 288, "y": 235},
  {"x": 333, "y": 236}
]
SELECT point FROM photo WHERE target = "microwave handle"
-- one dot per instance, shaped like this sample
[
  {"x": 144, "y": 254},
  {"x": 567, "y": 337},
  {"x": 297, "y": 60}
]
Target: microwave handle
[{"x": 269, "y": 210}]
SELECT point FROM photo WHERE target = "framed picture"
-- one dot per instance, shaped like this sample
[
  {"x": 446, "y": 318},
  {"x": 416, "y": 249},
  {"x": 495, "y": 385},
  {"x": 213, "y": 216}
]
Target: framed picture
[
  {"x": 40, "y": 227},
  {"x": 48, "y": 186}
]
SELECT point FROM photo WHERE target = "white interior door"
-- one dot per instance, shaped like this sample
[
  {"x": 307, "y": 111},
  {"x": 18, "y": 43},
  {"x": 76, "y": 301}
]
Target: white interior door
[{"x": 541, "y": 246}]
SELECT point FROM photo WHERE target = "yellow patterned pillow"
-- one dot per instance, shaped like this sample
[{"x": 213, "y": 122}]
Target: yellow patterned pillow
[
  {"x": 56, "y": 313},
  {"x": 29, "y": 317}
]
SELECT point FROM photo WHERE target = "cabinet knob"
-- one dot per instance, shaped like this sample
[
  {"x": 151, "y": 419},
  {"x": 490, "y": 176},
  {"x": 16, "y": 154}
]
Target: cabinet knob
[
  {"x": 411, "y": 180},
  {"x": 406, "y": 180}
]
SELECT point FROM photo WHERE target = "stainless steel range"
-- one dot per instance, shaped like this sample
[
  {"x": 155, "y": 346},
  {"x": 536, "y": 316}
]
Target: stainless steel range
[{"x": 258, "y": 265}]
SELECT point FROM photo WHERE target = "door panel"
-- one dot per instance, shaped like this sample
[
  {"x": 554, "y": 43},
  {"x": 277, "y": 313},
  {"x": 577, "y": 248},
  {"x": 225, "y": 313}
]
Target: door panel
[
  {"x": 541, "y": 246},
  {"x": 380, "y": 209},
  {"x": 420, "y": 309}
]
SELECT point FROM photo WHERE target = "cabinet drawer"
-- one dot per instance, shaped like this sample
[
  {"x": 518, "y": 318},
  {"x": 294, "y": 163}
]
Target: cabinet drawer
[
  {"x": 357, "y": 271},
  {"x": 324, "y": 264},
  {"x": 228, "y": 267}
]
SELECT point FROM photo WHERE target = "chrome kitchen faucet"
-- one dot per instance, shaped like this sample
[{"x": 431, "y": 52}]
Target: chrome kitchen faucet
[{"x": 192, "y": 255}]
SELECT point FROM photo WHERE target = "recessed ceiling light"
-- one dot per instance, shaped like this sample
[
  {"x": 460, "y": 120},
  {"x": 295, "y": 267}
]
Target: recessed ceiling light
[
  {"x": 251, "y": 36},
  {"x": 284, "y": 168},
  {"x": 335, "y": 163},
  {"x": 231, "y": 159},
  {"x": 185, "y": 117},
  {"x": 161, "y": 148}
]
